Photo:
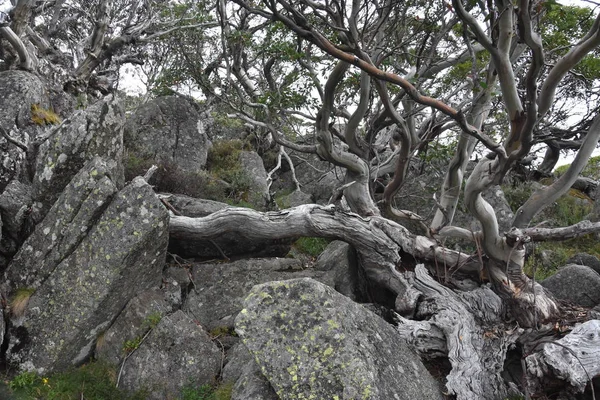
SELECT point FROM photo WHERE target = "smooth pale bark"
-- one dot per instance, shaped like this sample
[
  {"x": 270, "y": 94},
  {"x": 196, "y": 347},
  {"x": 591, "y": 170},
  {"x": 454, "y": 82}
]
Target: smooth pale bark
[
  {"x": 547, "y": 195},
  {"x": 527, "y": 300},
  {"x": 25, "y": 60}
]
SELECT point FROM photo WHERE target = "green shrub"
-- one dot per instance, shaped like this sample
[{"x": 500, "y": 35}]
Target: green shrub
[
  {"x": 207, "y": 392},
  {"x": 591, "y": 170}
]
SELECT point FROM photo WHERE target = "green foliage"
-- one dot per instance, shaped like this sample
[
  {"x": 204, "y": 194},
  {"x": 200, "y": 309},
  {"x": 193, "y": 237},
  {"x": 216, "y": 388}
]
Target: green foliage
[
  {"x": 152, "y": 320},
  {"x": 224, "y": 163},
  {"x": 221, "y": 119},
  {"x": 567, "y": 210},
  {"x": 93, "y": 381},
  {"x": 591, "y": 170},
  {"x": 438, "y": 151},
  {"x": 313, "y": 246},
  {"x": 131, "y": 345},
  {"x": 557, "y": 254},
  {"x": 170, "y": 178},
  {"x": 561, "y": 25},
  {"x": 547, "y": 257},
  {"x": 222, "y": 331},
  {"x": 281, "y": 199}
]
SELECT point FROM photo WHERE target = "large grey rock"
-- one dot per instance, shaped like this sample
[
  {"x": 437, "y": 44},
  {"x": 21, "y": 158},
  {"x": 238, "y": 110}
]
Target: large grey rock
[
  {"x": 585, "y": 259},
  {"x": 168, "y": 129},
  {"x": 220, "y": 288},
  {"x": 312, "y": 342},
  {"x": 175, "y": 354},
  {"x": 122, "y": 255},
  {"x": 238, "y": 357},
  {"x": 140, "y": 315},
  {"x": 20, "y": 91},
  {"x": 577, "y": 284},
  {"x": 176, "y": 282},
  {"x": 258, "y": 192},
  {"x": 339, "y": 258},
  {"x": 14, "y": 206},
  {"x": 66, "y": 225},
  {"x": 95, "y": 131},
  {"x": 230, "y": 244},
  {"x": 296, "y": 198},
  {"x": 252, "y": 385}
]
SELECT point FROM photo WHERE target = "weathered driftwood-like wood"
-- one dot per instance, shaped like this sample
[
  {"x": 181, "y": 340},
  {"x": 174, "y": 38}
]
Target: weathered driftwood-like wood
[
  {"x": 574, "y": 359},
  {"x": 378, "y": 241},
  {"x": 465, "y": 326}
]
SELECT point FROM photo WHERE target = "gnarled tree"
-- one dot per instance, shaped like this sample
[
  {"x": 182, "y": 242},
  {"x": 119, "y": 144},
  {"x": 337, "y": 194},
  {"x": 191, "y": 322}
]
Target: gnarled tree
[{"x": 393, "y": 68}]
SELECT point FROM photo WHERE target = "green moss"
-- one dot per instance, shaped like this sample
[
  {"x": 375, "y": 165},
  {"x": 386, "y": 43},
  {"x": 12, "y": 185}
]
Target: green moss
[
  {"x": 281, "y": 199},
  {"x": 41, "y": 116},
  {"x": 222, "y": 331},
  {"x": 207, "y": 392},
  {"x": 313, "y": 246},
  {"x": 94, "y": 381}
]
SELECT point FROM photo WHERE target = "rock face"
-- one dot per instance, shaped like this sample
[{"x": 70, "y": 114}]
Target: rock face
[
  {"x": 168, "y": 129},
  {"x": 252, "y": 385},
  {"x": 141, "y": 314},
  {"x": 575, "y": 283},
  {"x": 221, "y": 288},
  {"x": 296, "y": 198},
  {"x": 340, "y": 259},
  {"x": 312, "y": 342},
  {"x": 230, "y": 244},
  {"x": 14, "y": 206},
  {"x": 258, "y": 192},
  {"x": 66, "y": 225},
  {"x": 96, "y": 131},
  {"x": 83, "y": 283},
  {"x": 176, "y": 353},
  {"x": 585, "y": 259},
  {"x": 20, "y": 90}
]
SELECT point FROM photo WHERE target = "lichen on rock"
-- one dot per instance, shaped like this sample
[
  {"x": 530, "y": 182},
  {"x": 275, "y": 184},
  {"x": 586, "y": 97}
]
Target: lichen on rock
[{"x": 314, "y": 343}]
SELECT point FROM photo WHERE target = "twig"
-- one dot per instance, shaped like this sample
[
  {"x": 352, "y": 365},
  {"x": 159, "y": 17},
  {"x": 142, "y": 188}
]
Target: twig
[
  {"x": 129, "y": 355},
  {"x": 12, "y": 140}
]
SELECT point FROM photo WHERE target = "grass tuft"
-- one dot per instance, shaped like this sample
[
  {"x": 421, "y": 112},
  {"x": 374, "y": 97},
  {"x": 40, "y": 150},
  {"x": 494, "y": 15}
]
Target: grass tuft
[{"x": 19, "y": 302}]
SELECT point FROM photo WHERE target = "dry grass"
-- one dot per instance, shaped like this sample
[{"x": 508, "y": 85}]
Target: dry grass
[{"x": 19, "y": 302}]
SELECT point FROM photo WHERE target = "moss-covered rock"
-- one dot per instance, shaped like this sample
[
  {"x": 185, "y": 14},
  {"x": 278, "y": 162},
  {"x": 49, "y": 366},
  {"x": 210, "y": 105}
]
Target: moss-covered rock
[
  {"x": 314, "y": 343},
  {"x": 85, "y": 281}
]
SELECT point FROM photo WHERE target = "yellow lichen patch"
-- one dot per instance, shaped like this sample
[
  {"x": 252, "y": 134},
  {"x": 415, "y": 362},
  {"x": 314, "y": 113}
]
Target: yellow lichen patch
[{"x": 41, "y": 116}]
